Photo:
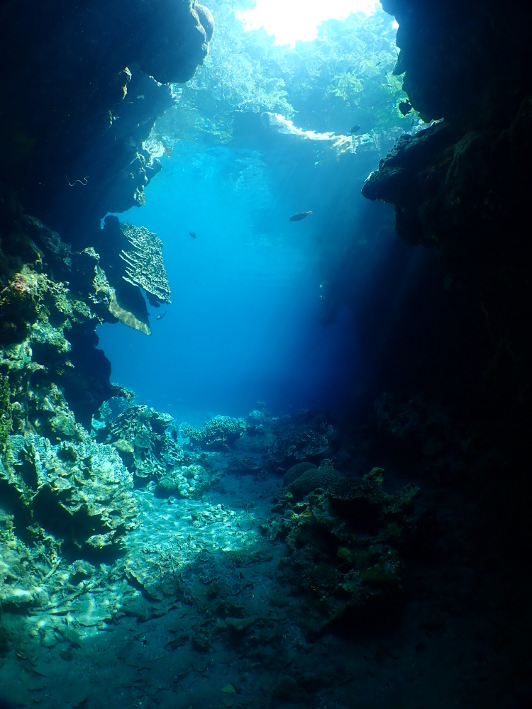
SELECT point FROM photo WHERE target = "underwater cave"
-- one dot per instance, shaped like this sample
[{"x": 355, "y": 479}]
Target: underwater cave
[{"x": 265, "y": 354}]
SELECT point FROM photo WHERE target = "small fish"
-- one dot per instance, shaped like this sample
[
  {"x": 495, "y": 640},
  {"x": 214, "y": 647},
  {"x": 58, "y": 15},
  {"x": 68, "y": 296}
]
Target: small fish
[
  {"x": 161, "y": 316},
  {"x": 193, "y": 234},
  {"x": 405, "y": 107},
  {"x": 168, "y": 151},
  {"x": 354, "y": 129},
  {"x": 299, "y": 216}
]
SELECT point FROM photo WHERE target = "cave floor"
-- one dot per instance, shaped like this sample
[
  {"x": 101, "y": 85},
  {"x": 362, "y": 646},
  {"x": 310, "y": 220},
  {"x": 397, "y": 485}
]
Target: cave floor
[{"x": 177, "y": 649}]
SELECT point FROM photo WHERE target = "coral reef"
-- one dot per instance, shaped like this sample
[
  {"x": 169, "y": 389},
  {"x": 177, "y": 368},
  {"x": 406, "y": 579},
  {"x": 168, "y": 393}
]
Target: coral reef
[
  {"x": 80, "y": 491},
  {"x": 305, "y": 435},
  {"x": 50, "y": 306},
  {"x": 142, "y": 438},
  {"x": 186, "y": 481},
  {"x": 312, "y": 478},
  {"x": 131, "y": 259},
  {"x": 219, "y": 434},
  {"x": 296, "y": 470},
  {"x": 144, "y": 263}
]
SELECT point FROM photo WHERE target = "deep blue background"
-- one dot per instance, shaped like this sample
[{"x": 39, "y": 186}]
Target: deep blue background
[{"x": 261, "y": 306}]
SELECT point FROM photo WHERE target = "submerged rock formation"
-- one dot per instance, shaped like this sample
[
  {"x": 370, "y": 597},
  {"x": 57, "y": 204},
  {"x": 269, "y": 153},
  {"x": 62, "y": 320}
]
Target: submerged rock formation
[
  {"x": 345, "y": 539},
  {"x": 461, "y": 185},
  {"x": 81, "y": 85},
  {"x": 84, "y": 84}
]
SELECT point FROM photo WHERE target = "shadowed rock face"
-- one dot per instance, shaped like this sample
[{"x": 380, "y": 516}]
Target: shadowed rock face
[
  {"x": 463, "y": 185},
  {"x": 467, "y": 61},
  {"x": 81, "y": 83}
]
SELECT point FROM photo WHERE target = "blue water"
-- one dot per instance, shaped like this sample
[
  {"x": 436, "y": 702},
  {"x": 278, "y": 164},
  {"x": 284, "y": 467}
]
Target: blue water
[{"x": 251, "y": 318}]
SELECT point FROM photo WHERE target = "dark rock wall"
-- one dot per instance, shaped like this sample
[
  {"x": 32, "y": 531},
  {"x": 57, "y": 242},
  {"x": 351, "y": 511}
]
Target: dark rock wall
[
  {"x": 81, "y": 86},
  {"x": 463, "y": 184},
  {"x": 80, "y": 92},
  {"x": 463, "y": 187},
  {"x": 467, "y": 61}
]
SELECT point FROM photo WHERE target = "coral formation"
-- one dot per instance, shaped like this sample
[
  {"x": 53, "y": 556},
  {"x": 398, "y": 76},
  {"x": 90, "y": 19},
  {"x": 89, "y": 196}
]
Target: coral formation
[
  {"x": 131, "y": 258},
  {"x": 345, "y": 541},
  {"x": 312, "y": 478},
  {"x": 78, "y": 490},
  {"x": 295, "y": 471},
  {"x": 50, "y": 307},
  {"x": 142, "y": 438},
  {"x": 302, "y": 436},
  {"x": 185, "y": 481},
  {"x": 220, "y": 433},
  {"x": 144, "y": 263}
]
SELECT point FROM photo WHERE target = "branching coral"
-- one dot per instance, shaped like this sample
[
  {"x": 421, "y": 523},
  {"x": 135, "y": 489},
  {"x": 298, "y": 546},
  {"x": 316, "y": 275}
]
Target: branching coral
[{"x": 221, "y": 433}]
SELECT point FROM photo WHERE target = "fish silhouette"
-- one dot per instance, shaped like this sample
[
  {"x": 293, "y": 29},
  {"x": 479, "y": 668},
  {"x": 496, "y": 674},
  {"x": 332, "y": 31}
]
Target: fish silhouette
[{"x": 299, "y": 216}]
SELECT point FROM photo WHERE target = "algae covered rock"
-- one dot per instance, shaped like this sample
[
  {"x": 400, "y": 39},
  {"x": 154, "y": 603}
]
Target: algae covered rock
[
  {"x": 80, "y": 492},
  {"x": 345, "y": 539}
]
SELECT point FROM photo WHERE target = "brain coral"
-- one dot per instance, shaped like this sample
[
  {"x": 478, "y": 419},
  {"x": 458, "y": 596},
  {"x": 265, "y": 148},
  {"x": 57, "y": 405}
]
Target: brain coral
[
  {"x": 295, "y": 471},
  {"x": 313, "y": 478}
]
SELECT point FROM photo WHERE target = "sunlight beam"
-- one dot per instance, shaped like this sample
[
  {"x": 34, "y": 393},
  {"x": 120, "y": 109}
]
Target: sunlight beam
[{"x": 290, "y": 21}]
